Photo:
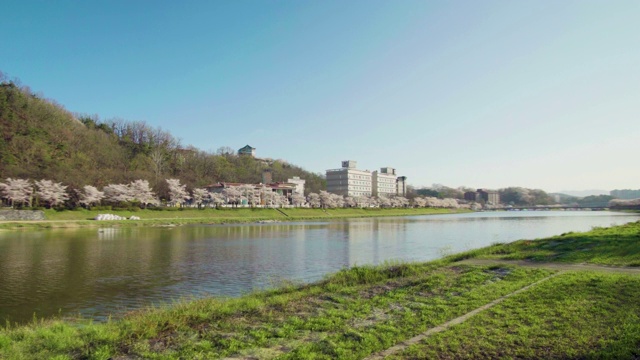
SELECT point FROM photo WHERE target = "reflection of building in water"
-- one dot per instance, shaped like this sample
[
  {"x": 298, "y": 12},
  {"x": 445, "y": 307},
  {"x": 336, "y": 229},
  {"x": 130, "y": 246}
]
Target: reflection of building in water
[
  {"x": 372, "y": 241},
  {"x": 108, "y": 233}
]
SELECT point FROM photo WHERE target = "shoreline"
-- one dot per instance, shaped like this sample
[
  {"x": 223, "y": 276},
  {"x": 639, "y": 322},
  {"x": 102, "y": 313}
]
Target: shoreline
[
  {"x": 364, "y": 311},
  {"x": 82, "y": 218}
]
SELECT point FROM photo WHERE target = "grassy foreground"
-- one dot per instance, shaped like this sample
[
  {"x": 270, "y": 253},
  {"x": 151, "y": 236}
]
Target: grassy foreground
[
  {"x": 360, "y": 311},
  {"x": 84, "y": 218}
]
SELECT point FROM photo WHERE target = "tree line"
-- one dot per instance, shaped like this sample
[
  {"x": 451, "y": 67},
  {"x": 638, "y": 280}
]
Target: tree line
[{"x": 22, "y": 193}]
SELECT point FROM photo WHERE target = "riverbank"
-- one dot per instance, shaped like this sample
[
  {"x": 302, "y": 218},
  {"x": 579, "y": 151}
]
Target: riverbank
[
  {"x": 364, "y": 311},
  {"x": 81, "y": 218}
]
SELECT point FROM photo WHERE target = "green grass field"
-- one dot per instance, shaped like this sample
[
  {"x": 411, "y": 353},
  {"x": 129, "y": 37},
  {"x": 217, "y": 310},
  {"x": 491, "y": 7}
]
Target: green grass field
[
  {"x": 578, "y": 315},
  {"x": 360, "y": 311},
  {"x": 84, "y": 218}
]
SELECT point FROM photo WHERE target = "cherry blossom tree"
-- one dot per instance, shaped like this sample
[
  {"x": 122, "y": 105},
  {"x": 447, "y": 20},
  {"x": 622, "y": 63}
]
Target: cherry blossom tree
[
  {"x": 350, "y": 201},
  {"x": 270, "y": 198},
  {"x": 384, "y": 201},
  {"x": 177, "y": 193},
  {"x": 450, "y": 203},
  {"x": 298, "y": 199},
  {"x": 90, "y": 196},
  {"x": 217, "y": 199},
  {"x": 314, "y": 200},
  {"x": 624, "y": 202},
  {"x": 400, "y": 201},
  {"x": 16, "y": 191},
  {"x": 141, "y": 191},
  {"x": 248, "y": 192},
  {"x": 199, "y": 196},
  {"x": 232, "y": 194},
  {"x": 337, "y": 200},
  {"x": 51, "y": 193},
  {"x": 326, "y": 199},
  {"x": 281, "y": 199},
  {"x": 419, "y": 202},
  {"x": 116, "y": 193}
]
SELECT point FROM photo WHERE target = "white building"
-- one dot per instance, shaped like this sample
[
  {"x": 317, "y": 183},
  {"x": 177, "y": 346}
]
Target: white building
[
  {"x": 384, "y": 182},
  {"x": 349, "y": 181},
  {"x": 299, "y": 184}
]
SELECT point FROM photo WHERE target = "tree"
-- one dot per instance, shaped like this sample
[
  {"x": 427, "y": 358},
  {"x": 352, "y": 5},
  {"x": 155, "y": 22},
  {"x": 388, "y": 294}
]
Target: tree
[
  {"x": 338, "y": 200},
  {"x": 400, "y": 201},
  {"x": 90, "y": 196},
  {"x": 199, "y": 196},
  {"x": 139, "y": 190},
  {"x": 232, "y": 194},
  {"x": 51, "y": 193},
  {"x": 419, "y": 202},
  {"x": 298, "y": 199},
  {"x": 327, "y": 200},
  {"x": 177, "y": 192},
  {"x": 117, "y": 193},
  {"x": 16, "y": 191},
  {"x": 350, "y": 201},
  {"x": 248, "y": 192},
  {"x": 384, "y": 201},
  {"x": 217, "y": 199},
  {"x": 270, "y": 198},
  {"x": 280, "y": 199},
  {"x": 314, "y": 200},
  {"x": 158, "y": 159}
]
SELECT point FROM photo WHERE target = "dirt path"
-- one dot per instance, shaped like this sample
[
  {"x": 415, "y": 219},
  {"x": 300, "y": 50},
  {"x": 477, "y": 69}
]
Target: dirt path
[
  {"x": 488, "y": 262},
  {"x": 553, "y": 266},
  {"x": 416, "y": 339}
]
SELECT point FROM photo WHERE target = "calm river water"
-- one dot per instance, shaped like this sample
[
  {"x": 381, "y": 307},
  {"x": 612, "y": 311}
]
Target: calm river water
[{"x": 96, "y": 272}]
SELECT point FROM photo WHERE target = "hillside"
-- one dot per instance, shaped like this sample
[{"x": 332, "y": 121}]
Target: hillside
[{"x": 42, "y": 140}]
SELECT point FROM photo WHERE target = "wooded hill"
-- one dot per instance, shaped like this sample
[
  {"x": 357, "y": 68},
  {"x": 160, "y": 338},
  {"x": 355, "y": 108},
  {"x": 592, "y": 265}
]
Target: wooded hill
[{"x": 42, "y": 140}]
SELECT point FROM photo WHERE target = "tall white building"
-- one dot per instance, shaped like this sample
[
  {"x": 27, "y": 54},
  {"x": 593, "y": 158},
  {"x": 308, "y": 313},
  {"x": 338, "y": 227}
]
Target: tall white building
[
  {"x": 384, "y": 182},
  {"x": 349, "y": 181}
]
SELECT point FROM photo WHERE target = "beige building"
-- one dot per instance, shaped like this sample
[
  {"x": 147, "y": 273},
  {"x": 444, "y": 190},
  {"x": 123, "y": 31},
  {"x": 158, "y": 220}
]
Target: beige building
[
  {"x": 384, "y": 182},
  {"x": 349, "y": 181},
  {"x": 299, "y": 183}
]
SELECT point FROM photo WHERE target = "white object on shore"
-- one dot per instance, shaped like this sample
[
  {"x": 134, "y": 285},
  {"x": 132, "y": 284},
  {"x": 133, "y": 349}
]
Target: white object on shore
[{"x": 109, "y": 217}]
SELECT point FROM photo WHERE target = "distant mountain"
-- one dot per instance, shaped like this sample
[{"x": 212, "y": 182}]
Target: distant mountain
[{"x": 584, "y": 193}]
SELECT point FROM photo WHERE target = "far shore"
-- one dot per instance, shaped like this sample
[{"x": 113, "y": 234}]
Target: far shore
[{"x": 82, "y": 218}]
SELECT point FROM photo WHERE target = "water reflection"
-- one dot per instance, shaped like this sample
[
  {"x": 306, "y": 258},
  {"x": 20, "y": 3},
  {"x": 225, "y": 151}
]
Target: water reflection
[{"x": 97, "y": 272}]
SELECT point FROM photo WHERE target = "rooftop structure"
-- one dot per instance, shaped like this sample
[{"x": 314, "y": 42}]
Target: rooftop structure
[{"x": 247, "y": 150}]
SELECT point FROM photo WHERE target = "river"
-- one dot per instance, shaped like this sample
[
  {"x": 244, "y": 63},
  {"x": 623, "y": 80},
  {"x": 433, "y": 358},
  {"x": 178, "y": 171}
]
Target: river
[{"x": 97, "y": 272}]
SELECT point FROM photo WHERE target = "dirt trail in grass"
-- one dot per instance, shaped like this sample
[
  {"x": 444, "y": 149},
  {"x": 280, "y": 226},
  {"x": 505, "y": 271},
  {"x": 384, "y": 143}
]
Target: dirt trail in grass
[
  {"x": 488, "y": 262},
  {"x": 553, "y": 266},
  {"x": 416, "y": 339}
]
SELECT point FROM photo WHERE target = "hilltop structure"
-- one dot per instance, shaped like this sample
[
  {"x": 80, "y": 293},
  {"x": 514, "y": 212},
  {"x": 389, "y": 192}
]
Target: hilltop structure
[
  {"x": 247, "y": 150},
  {"x": 350, "y": 181}
]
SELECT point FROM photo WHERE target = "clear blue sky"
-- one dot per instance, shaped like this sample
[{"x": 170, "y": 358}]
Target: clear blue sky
[{"x": 540, "y": 94}]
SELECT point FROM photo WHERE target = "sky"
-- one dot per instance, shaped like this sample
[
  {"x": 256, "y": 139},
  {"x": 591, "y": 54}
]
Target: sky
[{"x": 538, "y": 94}]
